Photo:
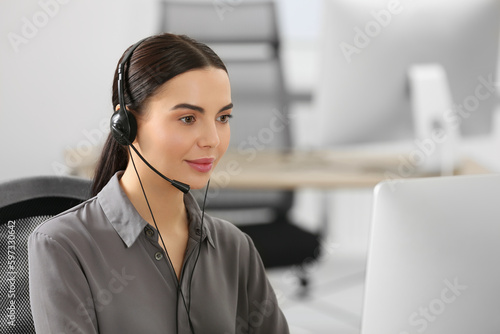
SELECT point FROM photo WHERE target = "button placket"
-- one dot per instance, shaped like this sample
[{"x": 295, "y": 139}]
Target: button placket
[{"x": 150, "y": 233}]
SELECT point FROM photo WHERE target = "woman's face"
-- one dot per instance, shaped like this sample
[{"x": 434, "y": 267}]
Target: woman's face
[{"x": 184, "y": 130}]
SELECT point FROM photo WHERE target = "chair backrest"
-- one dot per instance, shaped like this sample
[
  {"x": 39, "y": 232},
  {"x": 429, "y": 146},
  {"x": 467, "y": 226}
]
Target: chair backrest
[
  {"x": 24, "y": 204},
  {"x": 224, "y": 22},
  {"x": 245, "y": 35}
]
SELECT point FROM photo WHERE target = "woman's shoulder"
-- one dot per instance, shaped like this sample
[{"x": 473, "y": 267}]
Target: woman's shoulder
[
  {"x": 236, "y": 247},
  {"x": 226, "y": 233},
  {"x": 69, "y": 222}
]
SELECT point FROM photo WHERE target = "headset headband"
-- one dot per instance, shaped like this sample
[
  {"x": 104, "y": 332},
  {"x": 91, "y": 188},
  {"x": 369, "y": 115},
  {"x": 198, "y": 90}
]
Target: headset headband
[{"x": 121, "y": 75}]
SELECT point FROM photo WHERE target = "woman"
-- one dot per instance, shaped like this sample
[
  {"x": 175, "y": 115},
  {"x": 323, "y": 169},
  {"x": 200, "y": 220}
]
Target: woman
[{"x": 140, "y": 256}]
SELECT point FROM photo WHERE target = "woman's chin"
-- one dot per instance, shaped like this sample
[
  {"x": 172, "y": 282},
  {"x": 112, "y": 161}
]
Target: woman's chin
[{"x": 198, "y": 183}]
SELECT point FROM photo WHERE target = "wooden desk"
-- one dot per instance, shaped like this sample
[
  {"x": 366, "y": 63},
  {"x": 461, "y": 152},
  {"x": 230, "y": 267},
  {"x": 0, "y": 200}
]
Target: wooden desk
[
  {"x": 318, "y": 169},
  {"x": 301, "y": 169}
]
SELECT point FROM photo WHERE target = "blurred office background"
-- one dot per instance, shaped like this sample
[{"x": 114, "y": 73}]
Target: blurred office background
[
  {"x": 56, "y": 81},
  {"x": 344, "y": 65}
]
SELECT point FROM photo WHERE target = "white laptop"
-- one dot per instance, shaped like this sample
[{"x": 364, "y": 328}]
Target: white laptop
[{"x": 434, "y": 257}]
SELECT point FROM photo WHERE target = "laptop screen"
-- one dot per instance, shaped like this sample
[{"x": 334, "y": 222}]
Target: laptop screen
[{"x": 433, "y": 262}]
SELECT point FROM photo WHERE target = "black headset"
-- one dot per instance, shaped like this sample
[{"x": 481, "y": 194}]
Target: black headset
[
  {"x": 124, "y": 125},
  {"x": 124, "y": 129}
]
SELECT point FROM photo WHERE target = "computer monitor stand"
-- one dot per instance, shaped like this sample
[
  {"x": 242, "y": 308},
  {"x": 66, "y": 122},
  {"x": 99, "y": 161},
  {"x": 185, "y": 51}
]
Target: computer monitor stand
[{"x": 436, "y": 120}]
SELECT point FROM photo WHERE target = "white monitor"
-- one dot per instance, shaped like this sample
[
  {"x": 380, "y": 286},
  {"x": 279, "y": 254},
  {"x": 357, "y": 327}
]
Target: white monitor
[
  {"x": 368, "y": 47},
  {"x": 433, "y": 257}
]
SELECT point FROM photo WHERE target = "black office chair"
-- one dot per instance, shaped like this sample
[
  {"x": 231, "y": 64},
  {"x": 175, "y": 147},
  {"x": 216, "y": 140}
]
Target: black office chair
[
  {"x": 24, "y": 204},
  {"x": 245, "y": 35}
]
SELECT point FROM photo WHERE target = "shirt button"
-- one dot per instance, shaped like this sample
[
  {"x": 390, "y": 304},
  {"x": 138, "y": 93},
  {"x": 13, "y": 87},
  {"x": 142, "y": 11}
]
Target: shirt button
[
  {"x": 158, "y": 256},
  {"x": 198, "y": 231},
  {"x": 150, "y": 232}
]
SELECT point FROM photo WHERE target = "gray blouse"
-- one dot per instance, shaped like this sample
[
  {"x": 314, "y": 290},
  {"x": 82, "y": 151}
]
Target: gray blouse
[{"x": 98, "y": 268}]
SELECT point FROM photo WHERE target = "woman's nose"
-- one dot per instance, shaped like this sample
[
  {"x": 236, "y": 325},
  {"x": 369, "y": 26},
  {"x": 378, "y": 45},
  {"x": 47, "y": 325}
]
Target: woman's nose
[{"x": 209, "y": 136}]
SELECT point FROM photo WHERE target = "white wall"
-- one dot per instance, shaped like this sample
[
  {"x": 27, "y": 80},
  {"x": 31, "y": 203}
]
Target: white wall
[
  {"x": 55, "y": 81},
  {"x": 56, "y": 84}
]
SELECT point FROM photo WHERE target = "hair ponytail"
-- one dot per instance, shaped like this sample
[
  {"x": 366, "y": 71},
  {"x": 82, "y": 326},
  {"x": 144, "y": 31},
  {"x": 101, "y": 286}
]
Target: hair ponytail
[{"x": 114, "y": 157}]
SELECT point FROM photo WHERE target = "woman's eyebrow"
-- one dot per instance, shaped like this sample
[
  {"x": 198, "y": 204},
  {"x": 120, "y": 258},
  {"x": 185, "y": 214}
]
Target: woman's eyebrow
[
  {"x": 197, "y": 108},
  {"x": 188, "y": 106},
  {"x": 229, "y": 106}
]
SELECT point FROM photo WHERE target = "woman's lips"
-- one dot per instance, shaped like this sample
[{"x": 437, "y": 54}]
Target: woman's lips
[{"x": 201, "y": 165}]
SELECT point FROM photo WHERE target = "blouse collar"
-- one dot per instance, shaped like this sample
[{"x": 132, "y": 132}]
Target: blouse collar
[{"x": 129, "y": 224}]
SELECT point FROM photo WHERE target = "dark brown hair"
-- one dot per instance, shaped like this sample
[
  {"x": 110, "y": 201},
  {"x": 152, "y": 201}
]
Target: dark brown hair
[{"x": 156, "y": 60}]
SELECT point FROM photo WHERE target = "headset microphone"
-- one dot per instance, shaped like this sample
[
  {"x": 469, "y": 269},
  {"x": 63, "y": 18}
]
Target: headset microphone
[
  {"x": 179, "y": 185},
  {"x": 124, "y": 125}
]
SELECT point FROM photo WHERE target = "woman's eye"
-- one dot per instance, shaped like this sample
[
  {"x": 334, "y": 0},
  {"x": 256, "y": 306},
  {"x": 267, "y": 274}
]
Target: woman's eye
[
  {"x": 187, "y": 119},
  {"x": 224, "y": 118}
]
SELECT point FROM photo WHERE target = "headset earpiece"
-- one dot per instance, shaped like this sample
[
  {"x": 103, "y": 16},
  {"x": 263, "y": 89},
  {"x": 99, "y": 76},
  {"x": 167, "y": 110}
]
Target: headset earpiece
[{"x": 123, "y": 126}]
